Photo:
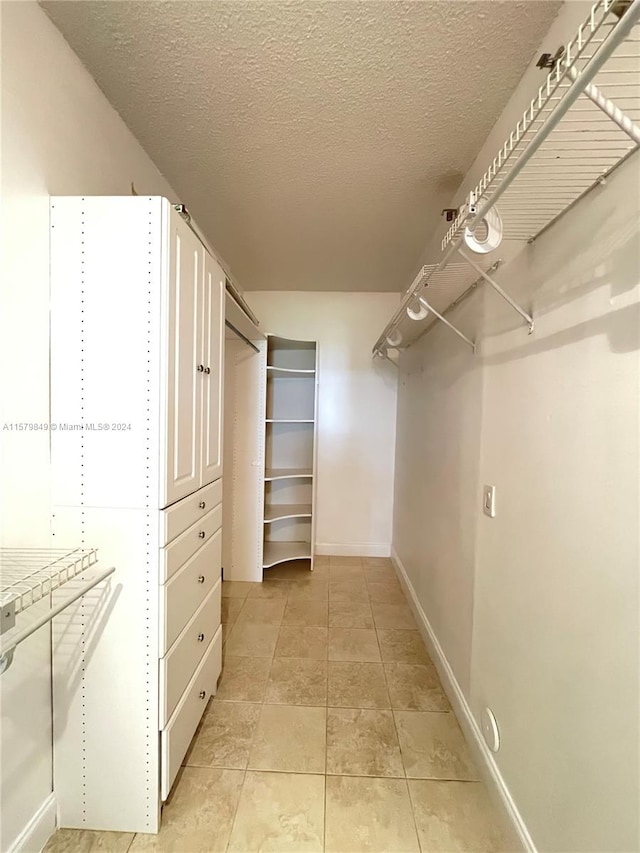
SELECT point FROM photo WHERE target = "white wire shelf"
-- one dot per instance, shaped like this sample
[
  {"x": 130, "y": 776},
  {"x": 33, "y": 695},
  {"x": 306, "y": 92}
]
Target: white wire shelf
[
  {"x": 31, "y": 575},
  {"x": 571, "y": 136},
  {"x": 582, "y": 124}
]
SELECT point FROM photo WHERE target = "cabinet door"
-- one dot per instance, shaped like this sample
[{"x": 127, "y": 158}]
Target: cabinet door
[
  {"x": 212, "y": 356},
  {"x": 184, "y": 368}
]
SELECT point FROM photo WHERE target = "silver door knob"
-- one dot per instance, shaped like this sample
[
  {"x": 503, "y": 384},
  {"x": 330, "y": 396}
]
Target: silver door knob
[
  {"x": 202, "y": 534},
  {"x": 202, "y": 694},
  {"x": 200, "y": 638},
  {"x": 202, "y": 504},
  {"x": 201, "y": 579},
  {"x": 200, "y": 368}
]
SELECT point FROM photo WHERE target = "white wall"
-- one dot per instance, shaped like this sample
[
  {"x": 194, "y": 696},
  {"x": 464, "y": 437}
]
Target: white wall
[
  {"x": 555, "y": 635},
  {"x": 356, "y": 411},
  {"x": 438, "y": 456},
  {"x": 59, "y": 136},
  {"x": 537, "y": 610}
]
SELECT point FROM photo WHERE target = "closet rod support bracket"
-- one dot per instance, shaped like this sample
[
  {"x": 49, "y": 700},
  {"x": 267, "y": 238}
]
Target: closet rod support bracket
[
  {"x": 609, "y": 108},
  {"x": 444, "y": 320},
  {"x": 6, "y": 660},
  {"x": 494, "y": 284}
]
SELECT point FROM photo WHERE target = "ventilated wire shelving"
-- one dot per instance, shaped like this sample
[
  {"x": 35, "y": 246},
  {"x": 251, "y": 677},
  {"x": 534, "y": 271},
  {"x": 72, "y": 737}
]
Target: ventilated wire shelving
[
  {"x": 582, "y": 124},
  {"x": 31, "y": 575}
]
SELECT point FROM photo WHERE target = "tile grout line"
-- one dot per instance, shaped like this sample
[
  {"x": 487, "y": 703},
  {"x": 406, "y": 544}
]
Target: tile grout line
[
  {"x": 393, "y": 717},
  {"x": 413, "y": 814},
  {"x": 235, "y": 811}
]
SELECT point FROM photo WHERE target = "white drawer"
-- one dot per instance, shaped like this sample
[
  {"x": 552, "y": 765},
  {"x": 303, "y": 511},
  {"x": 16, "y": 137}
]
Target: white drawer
[
  {"x": 180, "y": 662},
  {"x": 187, "y": 589},
  {"x": 179, "y": 551},
  {"x": 177, "y": 518},
  {"x": 176, "y": 737}
]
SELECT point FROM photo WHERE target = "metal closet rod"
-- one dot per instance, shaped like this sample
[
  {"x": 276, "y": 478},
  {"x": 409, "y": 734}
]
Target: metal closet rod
[{"x": 241, "y": 336}]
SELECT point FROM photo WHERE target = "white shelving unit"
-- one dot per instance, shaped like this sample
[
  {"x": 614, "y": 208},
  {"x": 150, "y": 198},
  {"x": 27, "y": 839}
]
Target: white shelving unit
[
  {"x": 581, "y": 125},
  {"x": 290, "y": 450},
  {"x": 130, "y": 686}
]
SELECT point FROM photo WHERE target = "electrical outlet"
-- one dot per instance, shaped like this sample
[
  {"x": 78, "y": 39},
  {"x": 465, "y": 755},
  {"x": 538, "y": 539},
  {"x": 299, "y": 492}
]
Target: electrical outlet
[
  {"x": 489, "y": 501},
  {"x": 490, "y": 729}
]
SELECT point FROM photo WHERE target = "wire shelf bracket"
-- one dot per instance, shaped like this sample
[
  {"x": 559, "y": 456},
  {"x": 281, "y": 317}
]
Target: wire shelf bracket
[
  {"x": 444, "y": 320},
  {"x": 29, "y": 576},
  {"x": 494, "y": 284},
  {"x": 609, "y": 108}
]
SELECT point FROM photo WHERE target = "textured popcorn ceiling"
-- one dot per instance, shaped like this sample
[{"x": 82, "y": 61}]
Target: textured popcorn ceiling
[{"x": 314, "y": 143}]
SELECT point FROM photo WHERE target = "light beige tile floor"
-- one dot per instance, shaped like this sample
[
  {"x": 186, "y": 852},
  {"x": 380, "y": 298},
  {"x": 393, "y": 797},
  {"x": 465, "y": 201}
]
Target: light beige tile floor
[{"x": 330, "y": 731}]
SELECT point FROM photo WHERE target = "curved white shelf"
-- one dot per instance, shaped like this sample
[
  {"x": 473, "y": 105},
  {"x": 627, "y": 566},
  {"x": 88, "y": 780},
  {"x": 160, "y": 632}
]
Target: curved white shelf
[
  {"x": 278, "y": 511},
  {"x": 288, "y": 421},
  {"x": 283, "y": 552},
  {"x": 289, "y": 372},
  {"x": 286, "y": 473}
]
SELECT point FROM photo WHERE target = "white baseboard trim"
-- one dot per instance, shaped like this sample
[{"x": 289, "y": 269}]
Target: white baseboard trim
[
  {"x": 484, "y": 757},
  {"x": 39, "y": 829},
  {"x": 357, "y": 549}
]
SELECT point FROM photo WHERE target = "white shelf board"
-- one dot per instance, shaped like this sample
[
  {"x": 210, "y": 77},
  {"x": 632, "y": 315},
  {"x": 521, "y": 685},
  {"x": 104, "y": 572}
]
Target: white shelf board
[
  {"x": 282, "y": 552},
  {"x": 286, "y": 473},
  {"x": 278, "y": 343},
  {"x": 288, "y": 421},
  {"x": 289, "y": 373},
  {"x": 278, "y": 511}
]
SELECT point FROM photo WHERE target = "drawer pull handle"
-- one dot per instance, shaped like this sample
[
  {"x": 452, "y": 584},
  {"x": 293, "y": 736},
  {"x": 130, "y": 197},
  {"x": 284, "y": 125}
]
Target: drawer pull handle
[
  {"x": 201, "y": 579},
  {"x": 200, "y": 638},
  {"x": 202, "y": 694},
  {"x": 202, "y": 504},
  {"x": 200, "y": 368},
  {"x": 202, "y": 534},
  {"x": 207, "y": 370}
]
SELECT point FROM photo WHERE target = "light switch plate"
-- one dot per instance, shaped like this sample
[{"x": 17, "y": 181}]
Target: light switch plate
[{"x": 489, "y": 501}]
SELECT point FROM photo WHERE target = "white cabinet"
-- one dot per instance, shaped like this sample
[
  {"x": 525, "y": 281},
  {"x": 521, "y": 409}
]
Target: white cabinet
[
  {"x": 183, "y": 410},
  {"x": 195, "y": 313},
  {"x": 212, "y": 361},
  {"x": 136, "y": 453}
]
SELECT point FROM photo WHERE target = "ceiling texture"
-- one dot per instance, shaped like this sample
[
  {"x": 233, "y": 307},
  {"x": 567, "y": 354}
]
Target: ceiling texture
[{"x": 314, "y": 143}]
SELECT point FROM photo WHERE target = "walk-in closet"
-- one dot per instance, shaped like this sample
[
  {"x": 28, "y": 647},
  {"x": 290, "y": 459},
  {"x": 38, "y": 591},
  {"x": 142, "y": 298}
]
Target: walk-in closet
[{"x": 319, "y": 459}]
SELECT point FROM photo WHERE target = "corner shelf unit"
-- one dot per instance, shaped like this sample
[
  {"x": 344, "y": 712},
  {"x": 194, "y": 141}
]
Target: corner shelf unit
[
  {"x": 290, "y": 451},
  {"x": 582, "y": 124}
]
